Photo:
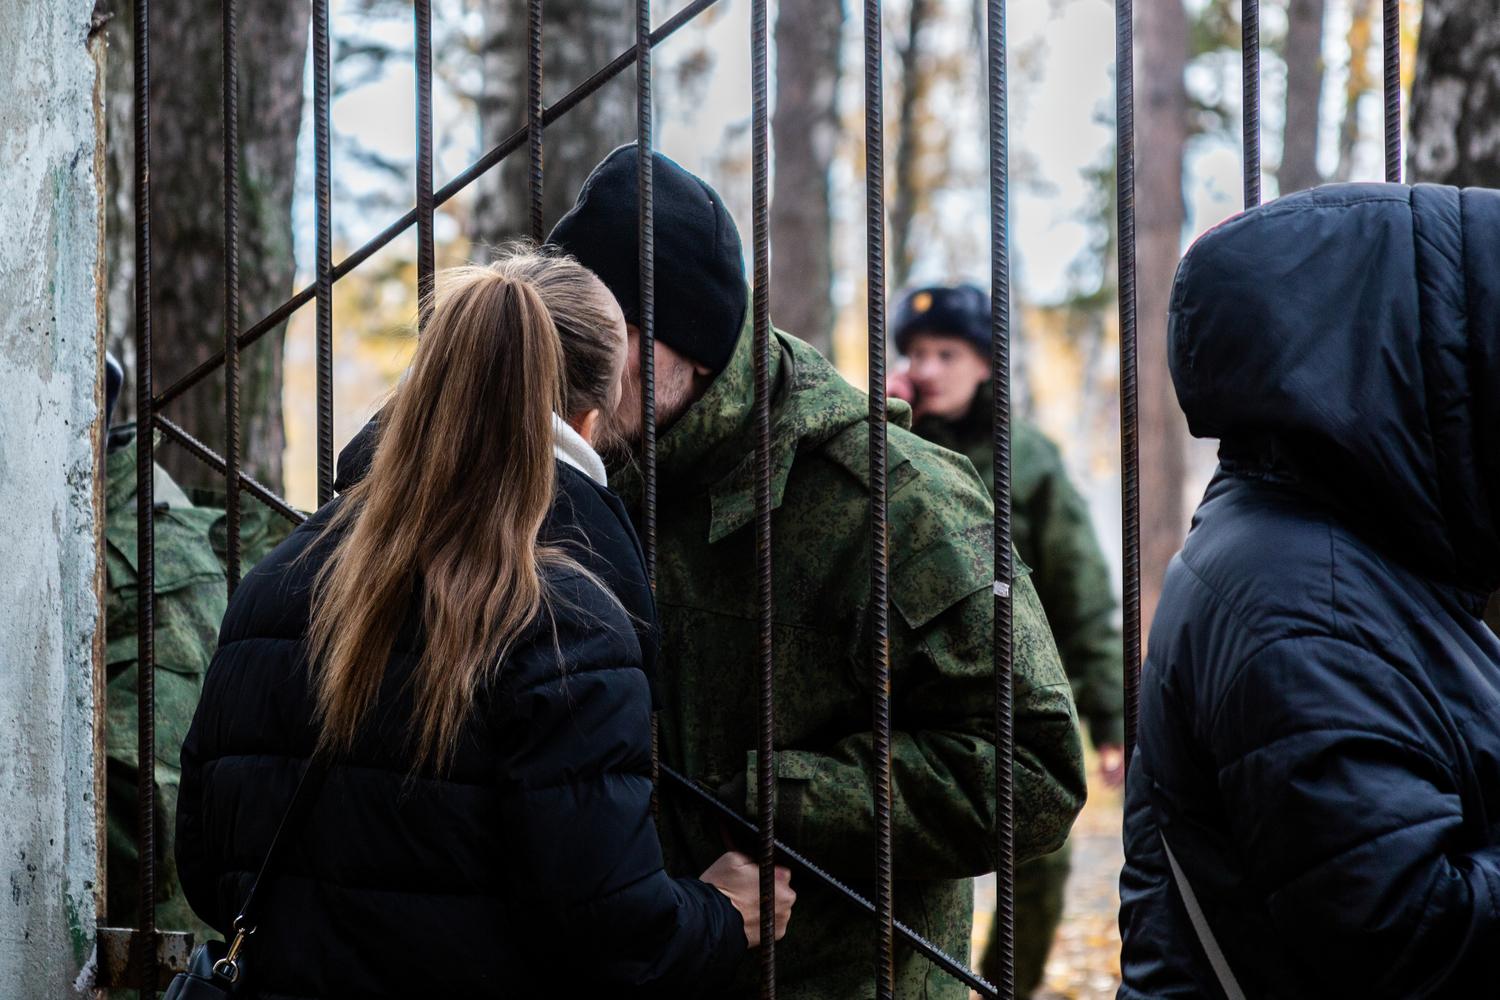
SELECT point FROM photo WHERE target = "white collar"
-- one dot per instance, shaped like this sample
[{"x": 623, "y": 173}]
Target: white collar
[{"x": 569, "y": 446}]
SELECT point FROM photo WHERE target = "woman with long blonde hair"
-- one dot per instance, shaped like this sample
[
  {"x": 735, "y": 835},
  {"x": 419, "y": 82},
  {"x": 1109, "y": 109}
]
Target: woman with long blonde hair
[{"x": 461, "y": 642}]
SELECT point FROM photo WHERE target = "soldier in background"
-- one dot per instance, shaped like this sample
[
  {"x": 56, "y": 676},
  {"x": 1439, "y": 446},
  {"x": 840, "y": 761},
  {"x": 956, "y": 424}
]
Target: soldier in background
[
  {"x": 941, "y": 615},
  {"x": 191, "y": 595},
  {"x": 944, "y": 333}
]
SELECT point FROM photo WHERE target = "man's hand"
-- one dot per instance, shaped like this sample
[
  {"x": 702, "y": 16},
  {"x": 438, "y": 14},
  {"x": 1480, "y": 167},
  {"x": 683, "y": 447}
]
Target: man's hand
[
  {"x": 1112, "y": 765},
  {"x": 737, "y": 876}
]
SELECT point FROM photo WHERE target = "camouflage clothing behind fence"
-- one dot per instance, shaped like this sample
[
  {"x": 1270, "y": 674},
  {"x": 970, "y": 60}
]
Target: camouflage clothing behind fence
[
  {"x": 941, "y": 624},
  {"x": 191, "y": 596},
  {"x": 1055, "y": 535}
]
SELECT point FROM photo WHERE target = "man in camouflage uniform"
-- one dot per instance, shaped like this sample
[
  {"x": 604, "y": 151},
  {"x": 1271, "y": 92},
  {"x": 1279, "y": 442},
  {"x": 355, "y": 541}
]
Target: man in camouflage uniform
[
  {"x": 940, "y": 627},
  {"x": 191, "y": 595},
  {"x": 945, "y": 335}
]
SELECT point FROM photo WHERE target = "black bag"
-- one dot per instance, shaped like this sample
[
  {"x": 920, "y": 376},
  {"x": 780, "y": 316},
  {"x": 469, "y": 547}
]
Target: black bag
[{"x": 216, "y": 970}]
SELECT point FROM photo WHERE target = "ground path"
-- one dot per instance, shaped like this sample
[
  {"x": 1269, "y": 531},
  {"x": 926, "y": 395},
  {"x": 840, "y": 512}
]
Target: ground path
[{"x": 1085, "y": 959}]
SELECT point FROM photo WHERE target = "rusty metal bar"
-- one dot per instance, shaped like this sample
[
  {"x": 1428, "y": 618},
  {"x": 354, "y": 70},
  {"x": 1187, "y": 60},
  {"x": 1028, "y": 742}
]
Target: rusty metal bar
[
  {"x": 1250, "y": 67},
  {"x": 646, "y": 258},
  {"x": 145, "y": 500},
  {"x": 999, "y": 151},
  {"x": 1130, "y": 450},
  {"x": 947, "y": 963},
  {"x": 880, "y": 653},
  {"x": 118, "y": 954},
  {"x": 441, "y": 197},
  {"x": 426, "y": 252},
  {"x": 322, "y": 155},
  {"x": 1391, "y": 35},
  {"x": 231, "y": 87},
  {"x": 534, "y": 117},
  {"x": 765, "y": 759},
  {"x": 209, "y": 457}
]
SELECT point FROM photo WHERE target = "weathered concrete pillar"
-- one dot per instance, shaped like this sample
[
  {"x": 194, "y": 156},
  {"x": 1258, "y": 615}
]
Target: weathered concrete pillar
[{"x": 51, "y": 628}]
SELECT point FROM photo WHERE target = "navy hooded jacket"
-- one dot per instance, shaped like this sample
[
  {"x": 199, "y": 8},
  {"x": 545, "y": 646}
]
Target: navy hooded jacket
[
  {"x": 528, "y": 867},
  {"x": 1320, "y": 709}
]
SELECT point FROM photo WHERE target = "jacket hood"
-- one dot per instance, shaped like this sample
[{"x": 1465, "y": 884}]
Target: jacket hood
[{"x": 1348, "y": 338}]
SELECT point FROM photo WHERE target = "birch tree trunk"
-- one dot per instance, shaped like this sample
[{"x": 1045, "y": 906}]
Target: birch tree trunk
[
  {"x": 1455, "y": 102},
  {"x": 805, "y": 133},
  {"x": 187, "y": 214},
  {"x": 1304, "y": 95},
  {"x": 579, "y": 37},
  {"x": 1162, "y": 130}
]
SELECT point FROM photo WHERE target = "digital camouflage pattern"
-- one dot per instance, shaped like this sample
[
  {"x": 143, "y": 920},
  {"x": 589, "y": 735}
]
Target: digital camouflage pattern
[
  {"x": 191, "y": 595},
  {"x": 941, "y": 631},
  {"x": 1054, "y": 534}
]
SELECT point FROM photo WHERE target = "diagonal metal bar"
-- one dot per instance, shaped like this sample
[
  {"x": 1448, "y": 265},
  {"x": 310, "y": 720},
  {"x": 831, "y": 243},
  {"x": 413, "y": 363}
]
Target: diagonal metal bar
[
  {"x": 880, "y": 653},
  {"x": 1003, "y": 651},
  {"x": 1391, "y": 35},
  {"x": 213, "y": 460},
  {"x": 1130, "y": 450},
  {"x": 1250, "y": 66},
  {"x": 145, "y": 674},
  {"x": 231, "y": 82},
  {"x": 950, "y": 965},
  {"x": 765, "y": 769},
  {"x": 375, "y": 244}
]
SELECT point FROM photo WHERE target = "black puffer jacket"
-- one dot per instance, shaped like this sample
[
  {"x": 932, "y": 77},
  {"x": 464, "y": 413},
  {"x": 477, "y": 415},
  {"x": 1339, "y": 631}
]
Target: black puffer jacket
[
  {"x": 1320, "y": 711},
  {"x": 530, "y": 867}
]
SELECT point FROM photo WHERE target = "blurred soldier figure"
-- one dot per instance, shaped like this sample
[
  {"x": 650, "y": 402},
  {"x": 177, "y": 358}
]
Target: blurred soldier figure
[
  {"x": 191, "y": 595},
  {"x": 940, "y": 623},
  {"x": 944, "y": 333}
]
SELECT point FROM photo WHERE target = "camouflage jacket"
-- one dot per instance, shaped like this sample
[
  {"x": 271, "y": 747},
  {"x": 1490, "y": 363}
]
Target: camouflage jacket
[
  {"x": 1054, "y": 534},
  {"x": 941, "y": 625},
  {"x": 191, "y": 595}
]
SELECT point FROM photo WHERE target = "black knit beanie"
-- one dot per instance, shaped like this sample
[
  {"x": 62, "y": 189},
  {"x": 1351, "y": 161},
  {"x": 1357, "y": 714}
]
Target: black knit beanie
[{"x": 701, "y": 295}]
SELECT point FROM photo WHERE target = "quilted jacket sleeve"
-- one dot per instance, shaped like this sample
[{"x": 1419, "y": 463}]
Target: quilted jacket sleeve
[
  {"x": 585, "y": 861},
  {"x": 1349, "y": 817}
]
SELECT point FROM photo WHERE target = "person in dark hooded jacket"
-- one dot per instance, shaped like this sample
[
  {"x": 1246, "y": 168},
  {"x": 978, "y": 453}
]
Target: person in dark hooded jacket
[
  {"x": 1311, "y": 811},
  {"x": 465, "y": 633}
]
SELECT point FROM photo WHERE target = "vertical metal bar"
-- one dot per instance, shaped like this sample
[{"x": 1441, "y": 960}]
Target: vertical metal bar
[
  {"x": 1250, "y": 66},
  {"x": 1391, "y": 16},
  {"x": 322, "y": 154},
  {"x": 426, "y": 254},
  {"x": 1005, "y": 909},
  {"x": 145, "y": 499},
  {"x": 880, "y": 654},
  {"x": 231, "y": 88},
  {"x": 646, "y": 260},
  {"x": 646, "y": 232},
  {"x": 1130, "y": 450},
  {"x": 534, "y": 115},
  {"x": 766, "y": 757}
]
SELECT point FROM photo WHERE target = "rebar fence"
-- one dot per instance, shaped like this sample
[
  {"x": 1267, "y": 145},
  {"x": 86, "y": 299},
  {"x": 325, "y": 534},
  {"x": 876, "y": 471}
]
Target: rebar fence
[{"x": 143, "y": 957}]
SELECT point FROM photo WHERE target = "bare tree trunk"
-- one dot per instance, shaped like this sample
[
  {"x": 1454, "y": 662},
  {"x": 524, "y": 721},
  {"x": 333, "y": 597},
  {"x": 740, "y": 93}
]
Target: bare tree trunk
[
  {"x": 187, "y": 218},
  {"x": 579, "y": 37},
  {"x": 1162, "y": 129},
  {"x": 908, "y": 147},
  {"x": 1361, "y": 32},
  {"x": 1304, "y": 96},
  {"x": 1455, "y": 105},
  {"x": 805, "y": 133}
]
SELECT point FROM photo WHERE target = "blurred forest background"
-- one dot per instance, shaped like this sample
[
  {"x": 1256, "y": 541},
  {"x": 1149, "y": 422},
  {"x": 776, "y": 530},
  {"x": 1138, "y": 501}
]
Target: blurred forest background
[{"x": 1321, "y": 120}]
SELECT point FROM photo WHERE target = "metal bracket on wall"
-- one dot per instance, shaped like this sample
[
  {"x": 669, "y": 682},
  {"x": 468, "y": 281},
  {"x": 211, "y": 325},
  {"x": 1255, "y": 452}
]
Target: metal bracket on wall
[{"x": 118, "y": 962}]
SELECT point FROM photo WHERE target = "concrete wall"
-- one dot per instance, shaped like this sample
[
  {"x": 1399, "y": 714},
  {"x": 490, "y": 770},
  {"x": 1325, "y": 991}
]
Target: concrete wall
[{"x": 50, "y": 623}]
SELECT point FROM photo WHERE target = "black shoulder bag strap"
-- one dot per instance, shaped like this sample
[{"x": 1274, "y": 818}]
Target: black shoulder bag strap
[{"x": 292, "y": 821}]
